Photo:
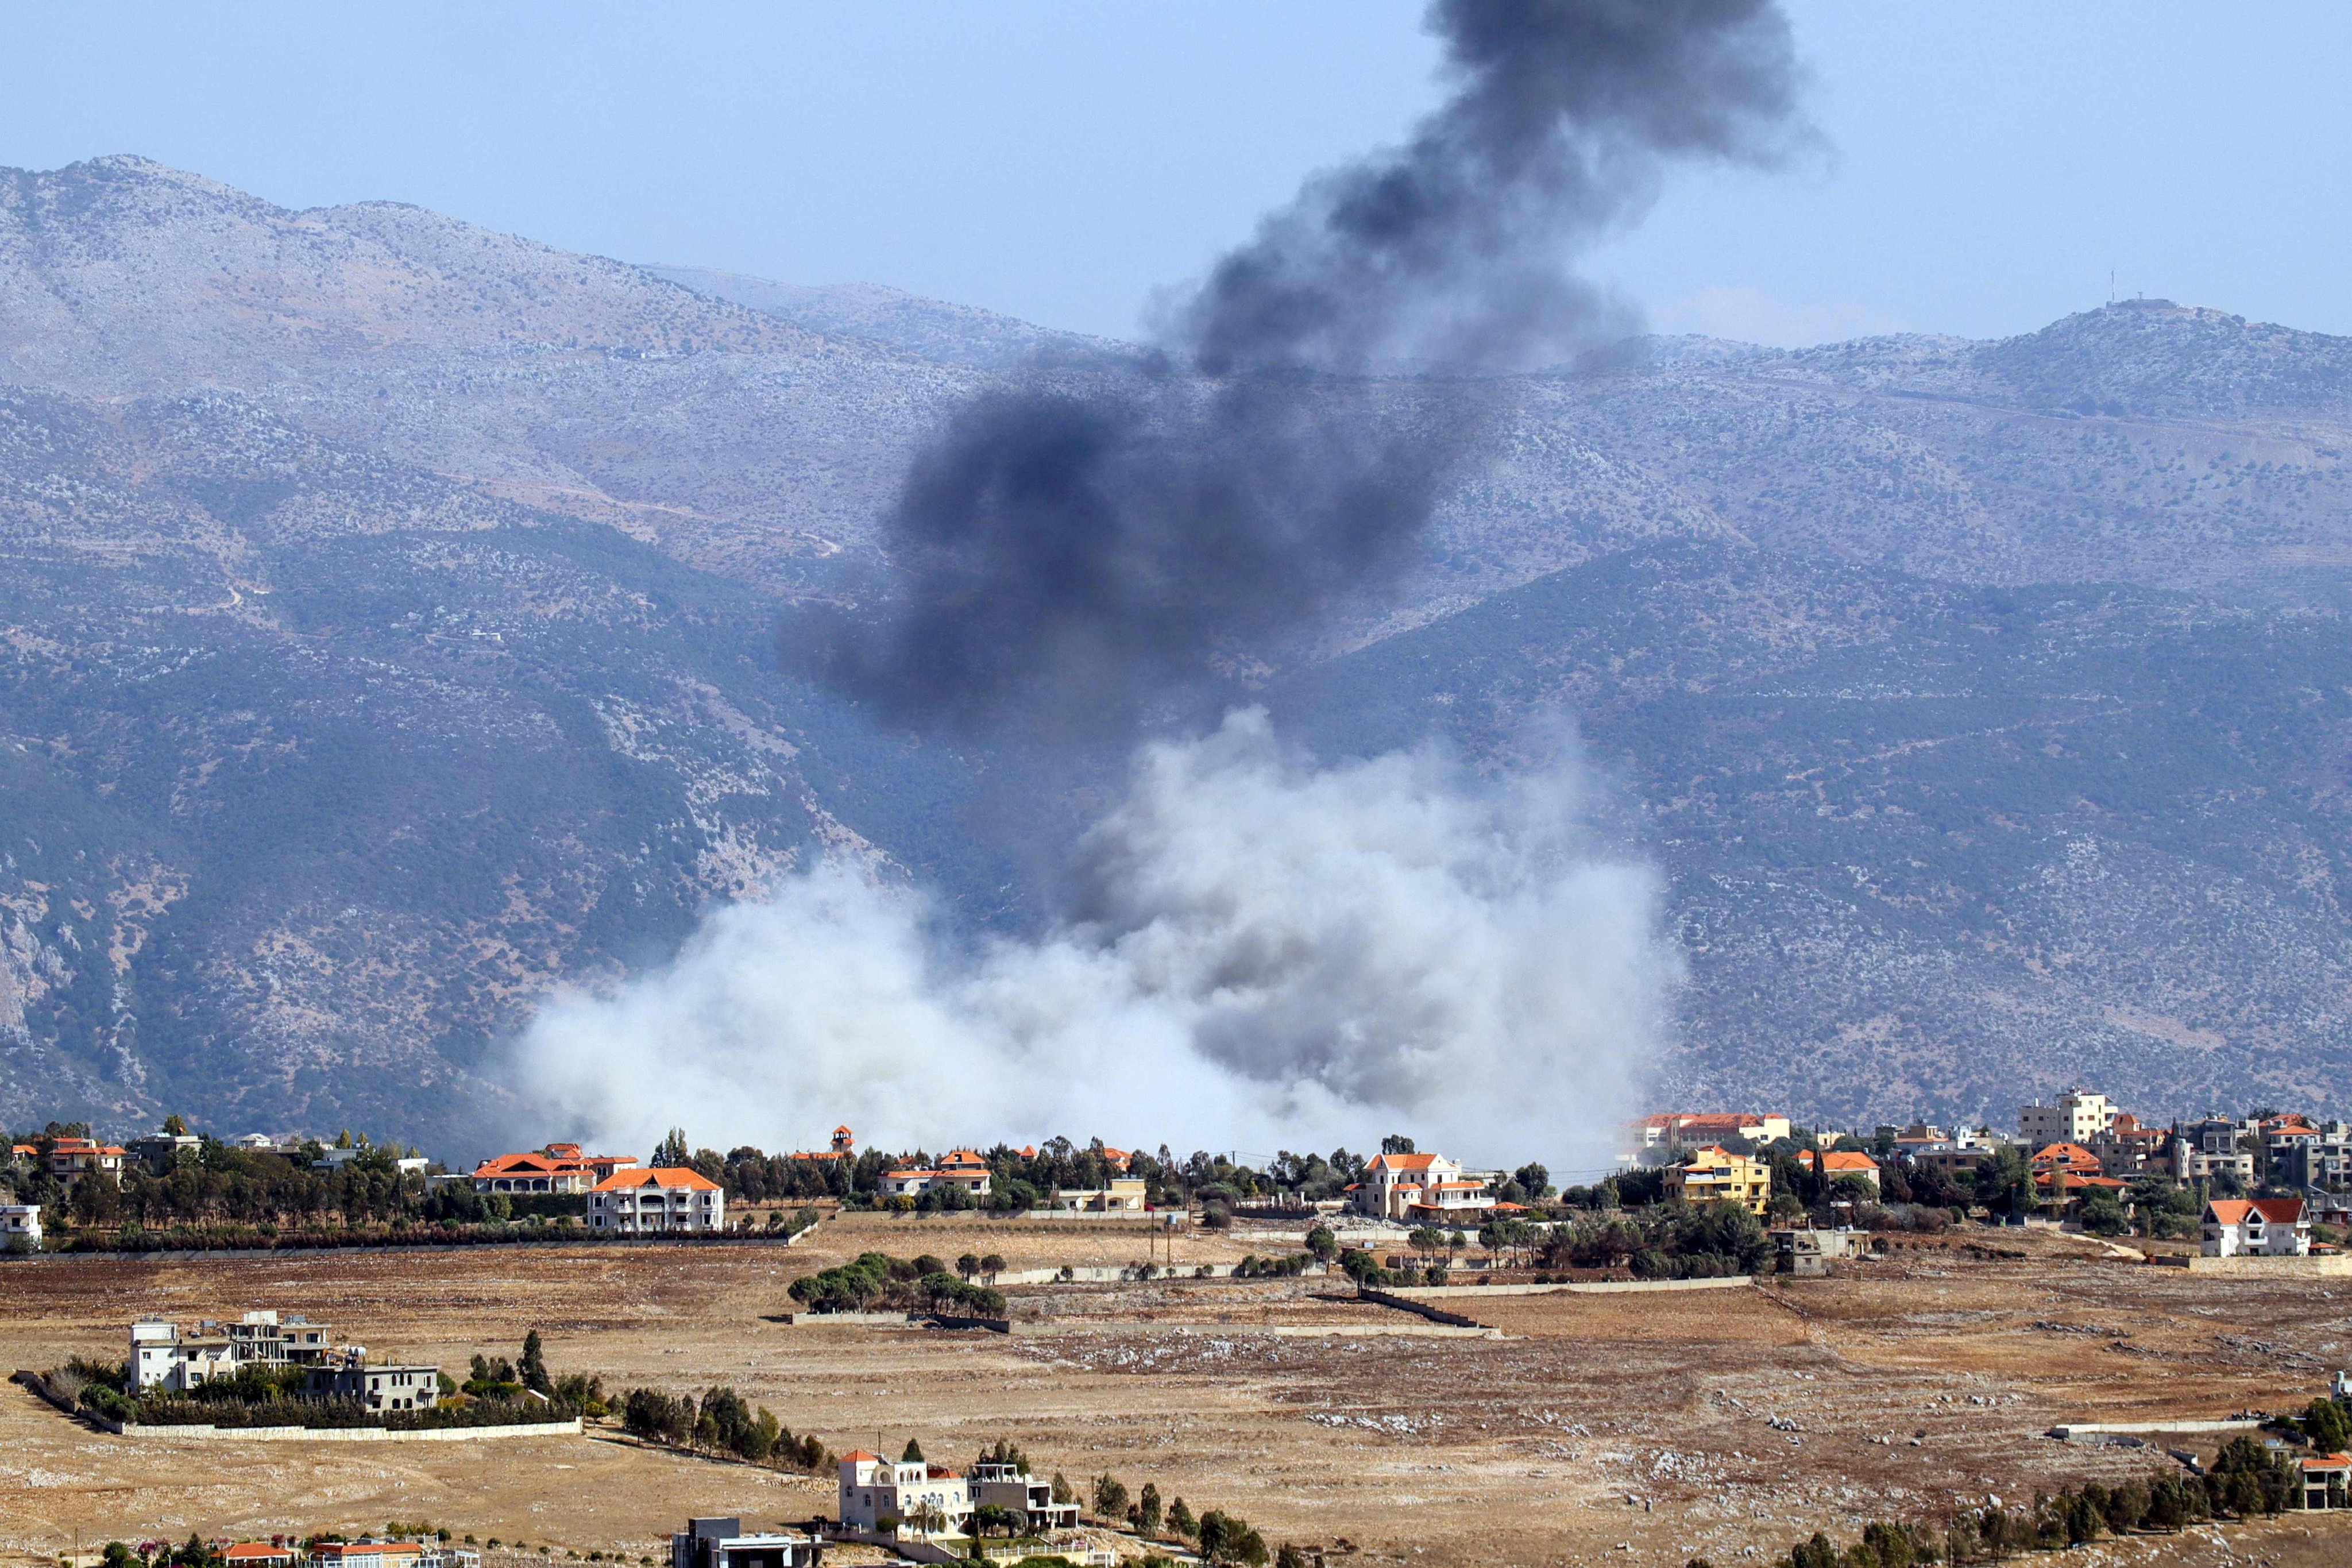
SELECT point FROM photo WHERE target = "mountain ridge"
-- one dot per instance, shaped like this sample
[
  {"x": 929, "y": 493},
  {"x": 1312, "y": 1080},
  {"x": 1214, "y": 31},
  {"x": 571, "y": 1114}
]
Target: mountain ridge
[{"x": 387, "y": 634}]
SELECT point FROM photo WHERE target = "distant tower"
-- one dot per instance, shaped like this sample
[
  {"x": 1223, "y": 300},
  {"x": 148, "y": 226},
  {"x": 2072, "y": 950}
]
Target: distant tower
[{"x": 844, "y": 1142}]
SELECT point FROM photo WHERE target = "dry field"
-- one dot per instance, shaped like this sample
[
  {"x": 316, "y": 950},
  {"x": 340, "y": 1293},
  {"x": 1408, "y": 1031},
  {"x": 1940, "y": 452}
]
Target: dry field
[{"x": 1640, "y": 1428}]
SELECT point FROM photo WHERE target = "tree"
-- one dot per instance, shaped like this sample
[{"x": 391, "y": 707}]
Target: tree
[
  {"x": 967, "y": 1266},
  {"x": 987, "y": 1517},
  {"x": 1063, "y": 1491},
  {"x": 1215, "y": 1534},
  {"x": 672, "y": 1152},
  {"x": 1397, "y": 1144},
  {"x": 533, "y": 1367},
  {"x": 1323, "y": 1242},
  {"x": 1181, "y": 1520},
  {"x": 1147, "y": 1510},
  {"x": 2324, "y": 1423},
  {"x": 1110, "y": 1497},
  {"x": 1534, "y": 1180},
  {"x": 174, "y": 1126},
  {"x": 991, "y": 1266},
  {"x": 913, "y": 1455}
]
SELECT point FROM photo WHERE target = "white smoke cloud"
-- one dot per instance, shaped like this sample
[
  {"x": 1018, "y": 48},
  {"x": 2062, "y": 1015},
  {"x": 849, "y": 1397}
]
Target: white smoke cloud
[{"x": 1261, "y": 954}]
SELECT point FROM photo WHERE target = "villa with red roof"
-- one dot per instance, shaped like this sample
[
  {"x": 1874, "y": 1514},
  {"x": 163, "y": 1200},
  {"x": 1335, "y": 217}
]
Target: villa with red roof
[
  {"x": 2256, "y": 1227},
  {"x": 1836, "y": 1165},
  {"x": 558, "y": 1168},
  {"x": 1423, "y": 1189},
  {"x": 963, "y": 1168},
  {"x": 662, "y": 1200},
  {"x": 873, "y": 1489}
]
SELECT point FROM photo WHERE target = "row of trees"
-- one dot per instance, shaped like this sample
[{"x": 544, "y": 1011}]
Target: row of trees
[
  {"x": 1218, "y": 1537},
  {"x": 877, "y": 1281},
  {"x": 1665, "y": 1242},
  {"x": 721, "y": 1422},
  {"x": 2246, "y": 1481}
]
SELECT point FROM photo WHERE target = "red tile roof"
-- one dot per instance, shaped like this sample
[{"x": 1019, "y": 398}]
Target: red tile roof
[
  {"x": 664, "y": 1176},
  {"x": 2238, "y": 1211},
  {"x": 1402, "y": 1162}
]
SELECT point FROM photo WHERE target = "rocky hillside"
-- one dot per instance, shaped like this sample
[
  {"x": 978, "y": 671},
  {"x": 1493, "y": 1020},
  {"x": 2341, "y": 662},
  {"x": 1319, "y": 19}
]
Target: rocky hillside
[{"x": 389, "y": 607}]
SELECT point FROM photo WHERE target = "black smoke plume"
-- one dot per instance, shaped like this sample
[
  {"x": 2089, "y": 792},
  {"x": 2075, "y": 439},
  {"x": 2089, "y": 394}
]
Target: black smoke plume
[{"x": 1074, "y": 545}]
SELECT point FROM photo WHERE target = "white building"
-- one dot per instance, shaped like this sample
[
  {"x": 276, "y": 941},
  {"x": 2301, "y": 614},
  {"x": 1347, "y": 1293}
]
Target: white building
[
  {"x": 1423, "y": 1189},
  {"x": 2078, "y": 1117},
  {"x": 2256, "y": 1227},
  {"x": 660, "y": 1200},
  {"x": 963, "y": 1168},
  {"x": 162, "y": 1357},
  {"x": 873, "y": 1489},
  {"x": 1011, "y": 1488},
  {"x": 20, "y": 1219},
  {"x": 1124, "y": 1195}
]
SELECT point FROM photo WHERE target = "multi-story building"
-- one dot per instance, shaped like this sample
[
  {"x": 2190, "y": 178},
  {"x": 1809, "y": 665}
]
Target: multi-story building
[
  {"x": 1717, "y": 1175},
  {"x": 72, "y": 1159},
  {"x": 2256, "y": 1227},
  {"x": 2212, "y": 1147},
  {"x": 1423, "y": 1189},
  {"x": 162, "y": 1357},
  {"x": 382, "y": 1387},
  {"x": 263, "y": 1338},
  {"x": 664, "y": 1199},
  {"x": 558, "y": 1168},
  {"x": 724, "y": 1543},
  {"x": 160, "y": 1151},
  {"x": 2077, "y": 1117},
  {"x": 1015, "y": 1490},
  {"x": 2128, "y": 1147},
  {"x": 1670, "y": 1134},
  {"x": 917, "y": 1498},
  {"x": 20, "y": 1224},
  {"x": 2322, "y": 1159},
  {"x": 963, "y": 1168}
]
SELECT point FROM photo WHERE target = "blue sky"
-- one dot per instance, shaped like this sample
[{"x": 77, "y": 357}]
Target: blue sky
[{"x": 1986, "y": 167}]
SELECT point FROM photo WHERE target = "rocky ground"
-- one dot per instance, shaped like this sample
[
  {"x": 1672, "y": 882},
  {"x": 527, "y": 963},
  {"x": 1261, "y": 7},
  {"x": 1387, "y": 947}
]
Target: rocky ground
[{"x": 1638, "y": 1428}]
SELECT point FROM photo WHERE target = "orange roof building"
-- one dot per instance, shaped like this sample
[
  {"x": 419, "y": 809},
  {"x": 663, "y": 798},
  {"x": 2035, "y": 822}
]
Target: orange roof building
[
  {"x": 661, "y": 1200},
  {"x": 2256, "y": 1227}
]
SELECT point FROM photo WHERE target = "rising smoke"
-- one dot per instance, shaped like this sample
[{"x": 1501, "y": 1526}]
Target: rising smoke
[
  {"x": 1257, "y": 953},
  {"x": 1265, "y": 953},
  {"x": 1071, "y": 546}
]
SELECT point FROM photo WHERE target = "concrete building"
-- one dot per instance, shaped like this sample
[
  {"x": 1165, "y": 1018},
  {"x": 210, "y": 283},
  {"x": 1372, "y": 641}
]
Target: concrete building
[
  {"x": 724, "y": 1543},
  {"x": 20, "y": 1225},
  {"x": 2077, "y": 1117},
  {"x": 1717, "y": 1175},
  {"x": 1669, "y": 1134},
  {"x": 382, "y": 1387},
  {"x": 160, "y": 1151},
  {"x": 72, "y": 1159},
  {"x": 1807, "y": 1253},
  {"x": 873, "y": 1489},
  {"x": 664, "y": 1200},
  {"x": 162, "y": 1357},
  {"x": 2212, "y": 1147},
  {"x": 265, "y": 1337},
  {"x": 1124, "y": 1195},
  {"x": 1013, "y": 1489},
  {"x": 2256, "y": 1227},
  {"x": 963, "y": 1168},
  {"x": 2326, "y": 1478},
  {"x": 2318, "y": 1156}
]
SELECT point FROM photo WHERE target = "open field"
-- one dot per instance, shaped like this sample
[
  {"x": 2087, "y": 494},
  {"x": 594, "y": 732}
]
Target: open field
[{"x": 1914, "y": 1383}]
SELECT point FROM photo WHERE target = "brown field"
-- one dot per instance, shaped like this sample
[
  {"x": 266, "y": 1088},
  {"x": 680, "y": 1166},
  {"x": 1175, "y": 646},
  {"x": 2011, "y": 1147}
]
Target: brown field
[{"x": 1630, "y": 1428}]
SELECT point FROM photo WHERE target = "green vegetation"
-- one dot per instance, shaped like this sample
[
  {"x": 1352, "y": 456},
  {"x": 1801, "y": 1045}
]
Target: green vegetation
[
  {"x": 720, "y": 1422},
  {"x": 2245, "y": 1481},
  {"x": 874, "y": 1281}
]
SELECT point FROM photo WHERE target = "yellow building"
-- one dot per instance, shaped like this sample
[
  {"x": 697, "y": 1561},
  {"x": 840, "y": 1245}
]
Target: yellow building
[{"x": 1714, "y": 1174}]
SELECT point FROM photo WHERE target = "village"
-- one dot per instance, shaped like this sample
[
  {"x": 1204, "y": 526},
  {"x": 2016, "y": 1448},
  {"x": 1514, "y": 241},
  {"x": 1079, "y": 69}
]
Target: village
[{"x": 1064, "y": 1250}]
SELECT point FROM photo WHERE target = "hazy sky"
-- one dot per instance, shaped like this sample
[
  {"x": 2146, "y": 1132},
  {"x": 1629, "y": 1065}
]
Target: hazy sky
[{"x": 1986, "y": 166}]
